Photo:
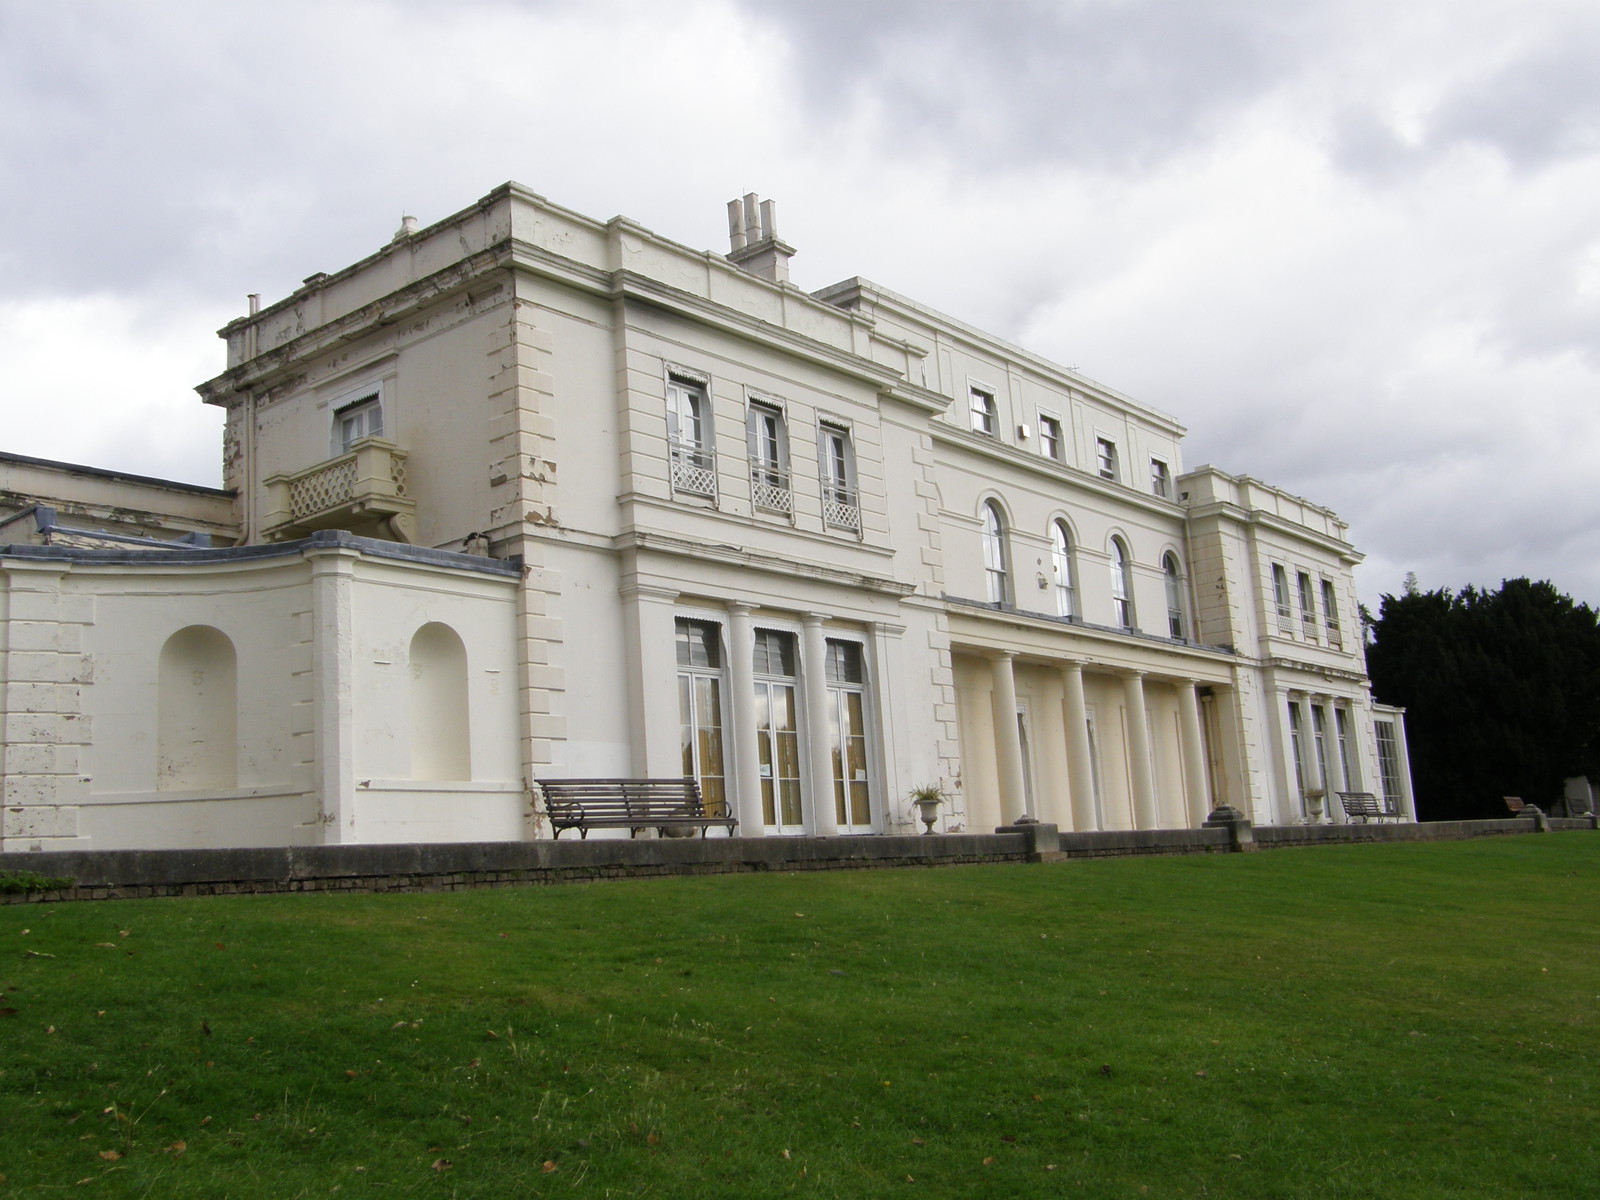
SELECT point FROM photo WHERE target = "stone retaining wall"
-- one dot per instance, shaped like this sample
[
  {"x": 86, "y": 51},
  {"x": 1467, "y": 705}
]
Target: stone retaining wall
[{"x": 125, "y": 874}]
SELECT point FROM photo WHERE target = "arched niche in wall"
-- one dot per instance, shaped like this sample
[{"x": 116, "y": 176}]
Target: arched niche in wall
[
  {"x": 441, "y": 746},
  {"x": 197, "y": 707}
]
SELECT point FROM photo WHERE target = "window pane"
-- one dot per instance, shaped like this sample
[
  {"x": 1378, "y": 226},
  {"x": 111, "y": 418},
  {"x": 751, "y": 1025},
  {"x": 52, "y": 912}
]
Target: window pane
[
  {"x": 844, "y": 662},
  {"x": 1061, "y": 555},
  {"x": 698, "y": 644}
]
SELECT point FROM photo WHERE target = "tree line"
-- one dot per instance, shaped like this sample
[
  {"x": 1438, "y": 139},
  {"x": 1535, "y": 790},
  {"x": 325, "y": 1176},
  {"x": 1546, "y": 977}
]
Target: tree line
[{"x": 1501, "y": 691}]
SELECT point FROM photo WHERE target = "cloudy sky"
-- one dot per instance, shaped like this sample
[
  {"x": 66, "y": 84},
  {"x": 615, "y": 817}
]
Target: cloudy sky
[{"x": 1353, "y": 244}]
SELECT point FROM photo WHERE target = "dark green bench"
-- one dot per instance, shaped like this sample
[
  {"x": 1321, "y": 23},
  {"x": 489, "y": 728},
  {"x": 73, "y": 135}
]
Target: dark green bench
[
  {"x": 631, "y": 804},
  {"x": 1364, "y": 807}
]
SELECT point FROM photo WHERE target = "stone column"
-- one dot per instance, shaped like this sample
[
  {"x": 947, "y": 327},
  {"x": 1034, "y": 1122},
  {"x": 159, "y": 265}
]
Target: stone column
[
  {"x": 1007, "y": 740},
  {"x": 746, "y": 773},
  {"x": 1080, "y": 766},
  {"x": 1194, "y": 753},
  {"x": 1145, "y": 813},
  {"x": 1053, "y": 790},
  {"x": 814, "y": 678}
]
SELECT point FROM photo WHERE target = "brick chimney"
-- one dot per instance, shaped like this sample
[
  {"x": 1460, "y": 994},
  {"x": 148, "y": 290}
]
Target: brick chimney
[{"x": 753, "y": 232}]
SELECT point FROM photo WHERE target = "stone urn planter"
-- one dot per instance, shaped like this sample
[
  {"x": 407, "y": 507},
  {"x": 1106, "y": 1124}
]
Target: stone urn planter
[{"x": 927, "y": 799}]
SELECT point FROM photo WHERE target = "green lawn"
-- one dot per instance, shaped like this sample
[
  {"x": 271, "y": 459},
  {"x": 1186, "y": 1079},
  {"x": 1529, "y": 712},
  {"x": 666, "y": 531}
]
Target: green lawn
[{"x": 1380, "y": 1021}]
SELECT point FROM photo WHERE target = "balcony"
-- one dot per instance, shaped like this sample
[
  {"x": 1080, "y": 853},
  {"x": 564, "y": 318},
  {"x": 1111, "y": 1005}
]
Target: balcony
[
  {"x": 363, "y": 492},
  {"x": 839, "y": 508},
  {"x": 769, "y": 488},
  {"x": 694, "y": 470}
]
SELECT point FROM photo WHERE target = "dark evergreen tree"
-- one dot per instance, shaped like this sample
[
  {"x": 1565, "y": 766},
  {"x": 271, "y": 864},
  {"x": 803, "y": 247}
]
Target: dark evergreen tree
[{"x": 1501, "y": 692}]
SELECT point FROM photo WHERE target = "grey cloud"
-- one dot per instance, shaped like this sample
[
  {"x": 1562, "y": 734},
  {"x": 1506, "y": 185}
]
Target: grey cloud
[
  {"x": 173, "y": 146},
  {"x": 1105, "y": 87},
  {"x": 1539, "y": 107},
  {"x": 1542, "y": 106}
]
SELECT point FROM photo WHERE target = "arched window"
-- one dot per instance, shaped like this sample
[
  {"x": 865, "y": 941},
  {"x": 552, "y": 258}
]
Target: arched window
[
  {"x": 1061, "y": 560},
  {"x": 440, "y": 734},
  {"x": 1121, "y": 584},
  {"x": 1169, "y": 569},
  {"x": 994, "y": 554},
  {"x": 197, "y": 710}
]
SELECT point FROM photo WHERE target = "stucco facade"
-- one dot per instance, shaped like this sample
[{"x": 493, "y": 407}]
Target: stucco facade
[{"x": 528, "y": 495}]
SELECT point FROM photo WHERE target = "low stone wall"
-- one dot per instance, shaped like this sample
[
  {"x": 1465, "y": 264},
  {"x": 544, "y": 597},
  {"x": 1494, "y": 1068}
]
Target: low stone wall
[
  {"x": 126, "y": 874},
  {"x": 120, "y": 874}
]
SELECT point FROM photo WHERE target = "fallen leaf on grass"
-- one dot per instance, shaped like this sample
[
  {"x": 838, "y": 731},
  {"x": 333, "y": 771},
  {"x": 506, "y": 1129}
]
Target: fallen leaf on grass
[
  {"x": 786, "y": 1153},
  {"x": 36, "y": 954},
  {"x": 111, "y": 1155},
  {"x": 549, "y": 1166},
  {"x": 442, "y": 1164},
  {"x": 654, "y": 1139},
  {"x": 177, "y": 1147},
  {"x": 105, "y": 945},
  {"x": 989, "y": 1162}
]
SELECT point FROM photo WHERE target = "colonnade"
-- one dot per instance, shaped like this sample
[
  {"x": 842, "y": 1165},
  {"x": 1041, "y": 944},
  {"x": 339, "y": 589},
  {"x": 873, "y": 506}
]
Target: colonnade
[{"x": 1071, "y": 802}]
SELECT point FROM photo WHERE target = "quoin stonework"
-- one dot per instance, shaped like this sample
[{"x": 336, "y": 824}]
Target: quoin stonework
[{"x": 526, "y": 495}]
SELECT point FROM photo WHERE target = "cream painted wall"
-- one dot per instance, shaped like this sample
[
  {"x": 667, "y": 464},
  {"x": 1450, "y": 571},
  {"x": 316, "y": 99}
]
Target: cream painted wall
[{"x": 287, "y": 659}]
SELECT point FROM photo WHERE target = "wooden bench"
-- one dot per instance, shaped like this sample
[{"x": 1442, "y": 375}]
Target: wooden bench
[
  {"x": 631, "y": 804},
  {"x": 1514, "y": 804},
  {"x": 1364, "y": 807}
]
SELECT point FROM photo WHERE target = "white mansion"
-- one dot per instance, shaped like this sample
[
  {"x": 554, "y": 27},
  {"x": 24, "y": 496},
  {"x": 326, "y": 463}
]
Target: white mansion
[{"x": 526, "y": 495}]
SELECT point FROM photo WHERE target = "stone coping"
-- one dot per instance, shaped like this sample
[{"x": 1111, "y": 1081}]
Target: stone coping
[{"x": 114, "y": 874}]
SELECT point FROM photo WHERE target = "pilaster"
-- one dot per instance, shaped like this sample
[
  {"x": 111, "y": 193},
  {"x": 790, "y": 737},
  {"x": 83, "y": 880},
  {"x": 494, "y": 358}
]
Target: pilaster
[
  {"x": 44, "y": 740},
  {"x": 333, "y": 707}
]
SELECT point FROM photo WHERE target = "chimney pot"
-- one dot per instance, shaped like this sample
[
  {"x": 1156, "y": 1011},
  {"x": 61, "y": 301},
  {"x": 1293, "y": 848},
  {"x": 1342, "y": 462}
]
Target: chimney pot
[{"x": 753, "y": 235}]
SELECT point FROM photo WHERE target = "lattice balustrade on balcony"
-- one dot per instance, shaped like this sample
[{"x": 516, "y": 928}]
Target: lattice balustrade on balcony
[{"x": 363, "y": 492}]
